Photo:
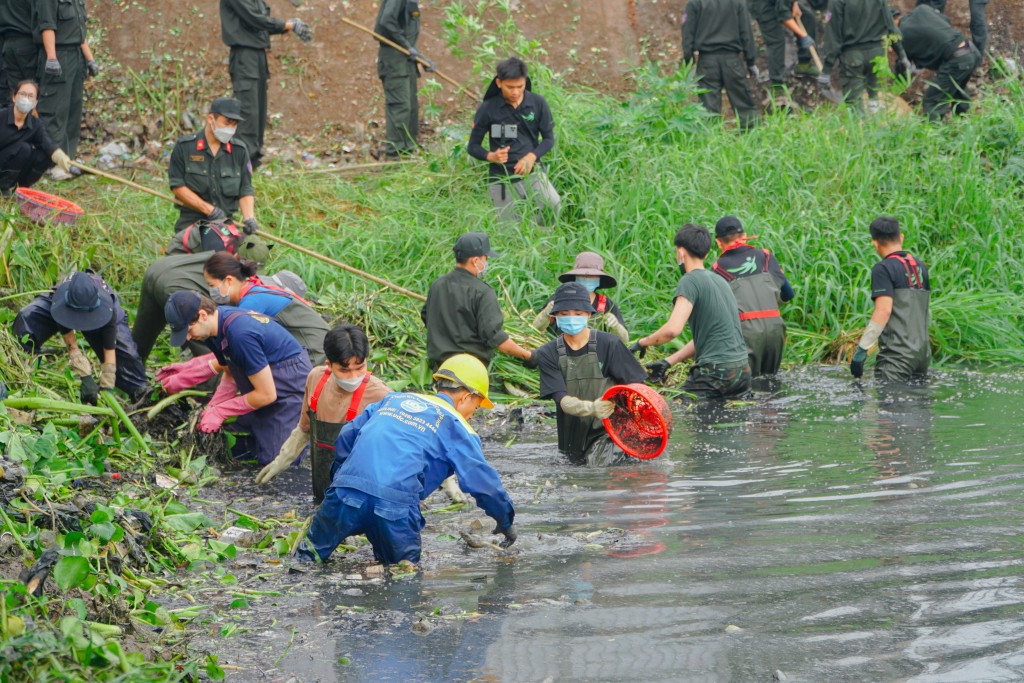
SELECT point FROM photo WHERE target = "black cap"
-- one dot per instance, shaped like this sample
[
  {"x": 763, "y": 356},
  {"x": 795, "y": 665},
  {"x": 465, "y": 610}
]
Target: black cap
[
  {"x": 572, "y": 296},
  {"x": 180, "y": 310},
  {"x": 473, "y": 244},
  {"x": 728, "y": 225},
  {"x": 227, "y": 106},
  {"x": 79, "y": 303}
]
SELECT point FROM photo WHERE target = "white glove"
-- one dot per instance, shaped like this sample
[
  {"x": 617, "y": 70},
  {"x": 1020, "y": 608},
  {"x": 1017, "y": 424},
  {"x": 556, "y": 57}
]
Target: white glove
[
  {"x": 108, "y": 375},
  {"x": 79, "y": 363},
  {"x": 289, "y": 453},
  {"x": 599, "y": 408},
  {"x": 62, "y": 160},
  {"x": 543, "y": 319},
  {"x": 450, "y": 486},
  {"x": 615, "y": 327}
]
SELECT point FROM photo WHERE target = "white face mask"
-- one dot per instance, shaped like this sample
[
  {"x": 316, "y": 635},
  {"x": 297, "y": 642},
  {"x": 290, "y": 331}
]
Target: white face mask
[
  {"x": 218, "y": 298},
  {"x": 24, "y": 104},
  {"x": 225, "y": 133},
  {"x": 349, "y": 385},
  {"x": 482, "y": 270}
]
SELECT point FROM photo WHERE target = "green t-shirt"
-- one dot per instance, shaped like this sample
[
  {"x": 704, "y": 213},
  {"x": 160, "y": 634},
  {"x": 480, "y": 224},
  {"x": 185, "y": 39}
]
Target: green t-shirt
[{"x": 715, "y": 320}]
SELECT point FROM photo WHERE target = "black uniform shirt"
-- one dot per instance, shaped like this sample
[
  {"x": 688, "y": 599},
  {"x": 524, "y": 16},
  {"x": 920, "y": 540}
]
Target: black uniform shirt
[
  {"x": 399, "y": 22},
  {"x": 856, "y": 23},
  {"x": 530, "y": 128},
  {"x": 221, "y": 180},
  {"x": 928, "y": 37},
  {"x": 66, "y": 18},
  {"x": 718, "y": 26},
  {"x": 247, "y": 23},
  {"x": 16, "y": 17},
  {"x": 33, "y": 131},
  {"x": 617, "y": 364},
  {"x": 890, "y": 274},
  {"x": 462, "y": 315}
]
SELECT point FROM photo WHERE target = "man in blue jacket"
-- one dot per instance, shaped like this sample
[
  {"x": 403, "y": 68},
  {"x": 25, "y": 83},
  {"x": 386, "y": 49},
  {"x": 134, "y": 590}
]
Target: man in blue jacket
[{"x": 395, "y": 454}]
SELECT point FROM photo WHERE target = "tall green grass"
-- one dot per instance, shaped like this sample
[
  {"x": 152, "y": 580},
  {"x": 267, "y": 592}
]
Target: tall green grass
[{"x": 632, "y": 170}]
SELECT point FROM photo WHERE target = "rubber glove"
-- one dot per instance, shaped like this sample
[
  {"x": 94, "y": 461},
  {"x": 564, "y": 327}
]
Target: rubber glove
[
  {"x": 89, "y": 391},
  {"x": 92, "y": 68},
  {"x": 755, "y": 73},
  {"x": 250, "y": 226},
  {"x": 580, "y": 408},
  {"x": 52, "y": 68},
  {"x": 657, "y": 370},
  {"x": 641, "y": 351},
  {"x": 543, "y": 319},
  {"x": 450, "y": 486},
  {"x": 177, "y": 376},
  {"x": 615, "y": 327},
  {"x": 531, "y": 363},
  {"x": 286, "y": 457},
  {"x": 79, "y": 363},
  {"x": 213, "y": 417},
  {"x": 226, "y": 390},
  {"x": 806, "y": 43},
  {"x": 415, "y": 56},
  {"x": 217, "y": 215},
  {"x": 857, "y": 362},
  {"x": 61, "y": 160},
  {"x": 108, "y": 375},
  {"x": 509, "y": 533}
]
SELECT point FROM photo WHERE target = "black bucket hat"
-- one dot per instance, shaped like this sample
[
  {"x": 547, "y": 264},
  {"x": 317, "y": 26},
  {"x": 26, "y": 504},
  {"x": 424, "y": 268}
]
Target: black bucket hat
[
  {"x": 589, "y": 264},
  {"x": 572, "y": 296},
  {"x": 181, "y": 309},
  {"x": 79, "y": 303}
]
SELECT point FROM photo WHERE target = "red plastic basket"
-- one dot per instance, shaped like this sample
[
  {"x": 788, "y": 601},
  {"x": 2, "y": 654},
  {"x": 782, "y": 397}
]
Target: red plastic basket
[
  {"x": 46, "y": 208},
  {"x": 641, "y": 423}
]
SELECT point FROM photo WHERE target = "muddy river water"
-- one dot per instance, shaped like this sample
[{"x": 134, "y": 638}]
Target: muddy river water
[{"x": 829, "y": 532}]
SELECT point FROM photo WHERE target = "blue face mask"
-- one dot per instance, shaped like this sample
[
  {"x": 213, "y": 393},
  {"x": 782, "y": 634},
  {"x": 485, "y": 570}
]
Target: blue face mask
[
  {"x": 571, "y": 324},
  {"x": 591, "y": 283}
]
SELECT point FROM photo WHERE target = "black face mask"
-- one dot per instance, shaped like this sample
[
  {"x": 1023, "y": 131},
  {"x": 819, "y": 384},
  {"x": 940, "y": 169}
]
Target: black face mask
[{"x": 682, "y": 268}]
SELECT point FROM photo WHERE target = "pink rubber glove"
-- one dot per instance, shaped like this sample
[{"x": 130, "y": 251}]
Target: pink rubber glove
[
  {"x": 213, "y": 417},
  {"x": 226, "y": 390},
  {"x": 178, "y": 376}
]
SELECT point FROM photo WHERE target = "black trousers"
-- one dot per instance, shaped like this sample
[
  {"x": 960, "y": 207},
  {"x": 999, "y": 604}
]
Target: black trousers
[
  {"x": 34, "y": 325},
  {"x": 22, "y": 165}
]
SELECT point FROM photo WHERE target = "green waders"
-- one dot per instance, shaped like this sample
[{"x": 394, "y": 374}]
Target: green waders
[
  {"x": 308, "y": 328},
  {"x": 904, "y": 351},
  {"x": 584, "y": 439},
  {"x": 761, "y": 323}
]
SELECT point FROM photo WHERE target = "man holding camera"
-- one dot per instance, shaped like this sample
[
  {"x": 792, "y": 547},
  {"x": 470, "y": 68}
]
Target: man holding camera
[{"x": 521, "y": 131}]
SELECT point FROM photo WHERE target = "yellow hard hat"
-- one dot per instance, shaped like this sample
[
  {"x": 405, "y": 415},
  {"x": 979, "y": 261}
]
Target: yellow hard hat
[{"x": 469, "y": 372}]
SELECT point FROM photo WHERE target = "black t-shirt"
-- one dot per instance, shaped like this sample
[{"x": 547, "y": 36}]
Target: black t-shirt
[
  {"x": 617, "y": 363},
  {"x": 528, "y": 128},
  {"x": 891, "y": 274}
]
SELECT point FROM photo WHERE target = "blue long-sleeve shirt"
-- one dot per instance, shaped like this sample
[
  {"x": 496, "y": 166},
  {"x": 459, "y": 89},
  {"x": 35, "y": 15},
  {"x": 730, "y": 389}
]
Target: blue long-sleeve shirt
[{"x": 401, "y": 448}]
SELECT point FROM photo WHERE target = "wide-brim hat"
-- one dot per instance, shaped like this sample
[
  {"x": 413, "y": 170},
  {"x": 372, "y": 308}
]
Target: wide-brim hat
[
  {"x": 589, "y": 264},
  {"x": 572, "y": 296},
  {"x": 286, "y": 279},
  {"x": 79, "y": 303}
]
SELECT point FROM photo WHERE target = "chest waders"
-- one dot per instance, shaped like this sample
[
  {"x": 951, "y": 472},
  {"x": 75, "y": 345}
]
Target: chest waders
[
  {"x": 761, "y": 323},
  {"x": 584, "y": 380},
  {"x": 301, "y": 321},
  {"x": 904, "y": 350},
  {"x": 323, "y": 434}
]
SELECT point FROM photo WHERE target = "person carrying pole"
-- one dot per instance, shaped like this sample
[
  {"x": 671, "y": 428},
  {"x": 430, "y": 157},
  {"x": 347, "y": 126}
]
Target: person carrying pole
[
  {"x": 399, "y": 22},
  {"x": 901, "y": 291},
  {"x": 84, "y": 302},
  {"x": 263, "y": 370},
  {"x": 576, "y": 369},
  {"x": 395, "y": 454}
]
